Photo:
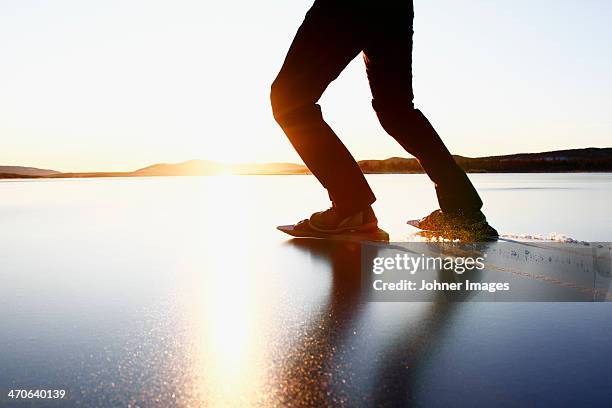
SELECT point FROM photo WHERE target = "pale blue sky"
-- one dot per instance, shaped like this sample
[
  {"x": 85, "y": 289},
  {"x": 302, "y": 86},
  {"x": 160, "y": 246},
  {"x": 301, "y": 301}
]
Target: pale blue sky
[{"x": 120, "y": 84}]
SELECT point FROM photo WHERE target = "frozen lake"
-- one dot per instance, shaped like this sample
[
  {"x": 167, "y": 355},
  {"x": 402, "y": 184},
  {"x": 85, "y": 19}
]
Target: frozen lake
[{"x": 179, "y": 291}]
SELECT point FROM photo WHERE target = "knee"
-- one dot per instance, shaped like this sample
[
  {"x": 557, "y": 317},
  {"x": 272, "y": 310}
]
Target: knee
[
  {"x": 290, "y": 105},
  {"x": 396, "y": 116},
  {"x": 276, "y": 100}
]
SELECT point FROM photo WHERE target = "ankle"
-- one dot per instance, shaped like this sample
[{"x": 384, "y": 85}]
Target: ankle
[{"x": 367, "y": 212}]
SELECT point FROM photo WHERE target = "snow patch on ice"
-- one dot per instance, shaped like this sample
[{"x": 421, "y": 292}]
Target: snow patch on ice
[{"x": 553, "y": 237}]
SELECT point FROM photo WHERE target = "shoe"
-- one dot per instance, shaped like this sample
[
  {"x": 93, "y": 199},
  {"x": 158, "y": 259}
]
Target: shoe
[
  {"x": 473, "y": 223},
  {"x": 333, "y": 221}
]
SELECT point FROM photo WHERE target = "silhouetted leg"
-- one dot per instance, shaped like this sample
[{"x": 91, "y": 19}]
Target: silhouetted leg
[
  {"x": 326, "y": 42},
  {"x": 388, "y": 58}
]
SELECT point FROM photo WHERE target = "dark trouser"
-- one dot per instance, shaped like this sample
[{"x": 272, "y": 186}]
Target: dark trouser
[{"x": 332, "y": 34}]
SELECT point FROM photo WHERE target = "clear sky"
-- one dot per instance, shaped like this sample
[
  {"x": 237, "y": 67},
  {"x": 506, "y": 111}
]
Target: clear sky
[{"x": 120, "y": 84}]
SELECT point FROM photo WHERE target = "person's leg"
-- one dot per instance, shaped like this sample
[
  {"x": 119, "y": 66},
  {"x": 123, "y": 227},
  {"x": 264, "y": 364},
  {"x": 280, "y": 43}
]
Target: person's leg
[
  {"x": 388, "y": 59},
  {"x": 326, "y": 42}
]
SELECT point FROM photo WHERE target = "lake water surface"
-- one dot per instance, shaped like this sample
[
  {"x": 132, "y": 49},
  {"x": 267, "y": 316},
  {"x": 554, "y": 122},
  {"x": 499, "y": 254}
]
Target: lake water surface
[{"x": 179, "y": 291}]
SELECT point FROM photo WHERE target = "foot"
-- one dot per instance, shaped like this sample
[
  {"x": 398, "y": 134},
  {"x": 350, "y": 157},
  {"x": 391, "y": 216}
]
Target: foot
[
  {"x": 333, "y": 221},
  {"x": 468, "y": 223}
]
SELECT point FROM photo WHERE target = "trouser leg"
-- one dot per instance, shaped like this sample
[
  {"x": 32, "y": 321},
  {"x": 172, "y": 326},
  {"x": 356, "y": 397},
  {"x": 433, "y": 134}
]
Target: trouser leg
[
  {"x": 388, "y": 59},
  {"x": 415, "y": 133},
  {"x": 325, "y": 43}
]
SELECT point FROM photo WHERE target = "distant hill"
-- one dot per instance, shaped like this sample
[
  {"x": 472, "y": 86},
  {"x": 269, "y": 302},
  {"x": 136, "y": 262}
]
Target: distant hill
[
  {"x": 26, "y": 171},
  {"x": 205, "y": 167},
  {"x": 185, "y": 168},
  {"x": 586, "y": 160},
  {"x": 589, "y": 160},
  {"x": 574, "y": 160}
]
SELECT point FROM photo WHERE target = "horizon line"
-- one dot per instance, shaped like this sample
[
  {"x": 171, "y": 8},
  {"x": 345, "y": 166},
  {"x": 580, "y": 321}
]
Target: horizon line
[{"x": 262, "y": 163}]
